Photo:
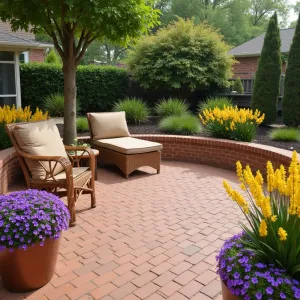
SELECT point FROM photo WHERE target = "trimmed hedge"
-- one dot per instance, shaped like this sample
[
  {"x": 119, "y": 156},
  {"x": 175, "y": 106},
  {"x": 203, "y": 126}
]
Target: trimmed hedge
[{"x": 98, "y": 88}]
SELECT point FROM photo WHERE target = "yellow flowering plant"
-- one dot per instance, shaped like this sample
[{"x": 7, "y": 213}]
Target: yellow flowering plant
[
  {"x": 231, "y": 122},
  {"x": 11, "y": 114},
  {"x": 272, "y": 209}
]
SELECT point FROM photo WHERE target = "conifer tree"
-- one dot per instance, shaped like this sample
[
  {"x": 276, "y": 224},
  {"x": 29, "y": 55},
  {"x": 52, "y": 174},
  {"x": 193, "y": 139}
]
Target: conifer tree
[
  {"x": 291, "y": 99},
  {"x": 266, "y": 85}
]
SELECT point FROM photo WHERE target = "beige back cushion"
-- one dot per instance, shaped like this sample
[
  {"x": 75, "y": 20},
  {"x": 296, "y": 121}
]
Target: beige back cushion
[
  {"x": 108, "y": 125},
  {"x": 40, "y": 139}
]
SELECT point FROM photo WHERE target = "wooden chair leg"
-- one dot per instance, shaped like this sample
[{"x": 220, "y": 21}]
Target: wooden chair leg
[
  {"x": 71, "y": 206},
  {"x": 93, "y": 197}
]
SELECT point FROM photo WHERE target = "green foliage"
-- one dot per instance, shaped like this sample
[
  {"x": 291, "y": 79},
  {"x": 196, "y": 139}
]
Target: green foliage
[
  {"x": 52, "y": 57},
  {"x": 136, "y": 110},
  {"x": 285, "y": 134},
  {"x": 244, "y": 132},
  {"x": 182, "y": 125},
  {"x": 291, "y": 99},
  {"x": 98, "y": 88},
  {"x": 237, "y": 20},
  {"x": 82, "y": 124},
  {"x": 181, "y": 57},
  {"x": 54, "y": 104},
  {"x": 266, "y": 85},
  {"x": 171, "y": 107},
  {"x": 73, "y": 25},
  {"x": 238, "y": 86},
  {"x": 214, "y": 102}
]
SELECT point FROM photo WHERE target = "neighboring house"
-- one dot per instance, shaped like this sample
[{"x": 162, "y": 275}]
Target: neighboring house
[
  {"x": 248, "y": 53},
  {"x": 15, "y": 47}
]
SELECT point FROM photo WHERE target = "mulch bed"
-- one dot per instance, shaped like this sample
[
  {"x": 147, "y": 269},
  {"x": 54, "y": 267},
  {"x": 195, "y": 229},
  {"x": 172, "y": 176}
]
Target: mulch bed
[{"x": 261, "y": 137}]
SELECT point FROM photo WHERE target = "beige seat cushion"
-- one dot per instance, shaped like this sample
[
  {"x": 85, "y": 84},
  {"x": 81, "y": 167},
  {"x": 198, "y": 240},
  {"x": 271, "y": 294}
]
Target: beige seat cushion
[
  {"x": 77, "y": 172},
  {"x": 40, "y": 139},
  {"x": 128, "y": 145},
  {"x": 108, "y": 125}
]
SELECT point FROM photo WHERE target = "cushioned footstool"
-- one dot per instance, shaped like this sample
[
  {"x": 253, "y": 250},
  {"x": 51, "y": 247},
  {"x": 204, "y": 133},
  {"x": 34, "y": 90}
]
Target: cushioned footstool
[{"x": 110, "y": 135}]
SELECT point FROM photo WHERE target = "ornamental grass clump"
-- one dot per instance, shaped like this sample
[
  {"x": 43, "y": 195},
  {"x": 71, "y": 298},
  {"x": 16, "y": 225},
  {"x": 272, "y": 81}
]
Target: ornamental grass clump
[
  {"x": 264, "y": 262},
  {"x": 285, "y": 134},
  {"x": 11, "y": 114},
  {"x": 30, "y": 217},
  {"x": 231, "y": 122},
  {"x": 182, "y": 125}
]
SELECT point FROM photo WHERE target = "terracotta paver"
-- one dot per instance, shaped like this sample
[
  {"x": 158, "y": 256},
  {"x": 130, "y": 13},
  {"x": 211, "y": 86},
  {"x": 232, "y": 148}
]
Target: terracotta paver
[{"x": 150, "y": 237}]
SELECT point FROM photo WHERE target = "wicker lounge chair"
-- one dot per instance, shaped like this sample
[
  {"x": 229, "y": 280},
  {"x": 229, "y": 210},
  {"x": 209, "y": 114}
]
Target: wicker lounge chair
[
  {"x": 110, "y": 135},
  {"x": 47, "y": 165}
]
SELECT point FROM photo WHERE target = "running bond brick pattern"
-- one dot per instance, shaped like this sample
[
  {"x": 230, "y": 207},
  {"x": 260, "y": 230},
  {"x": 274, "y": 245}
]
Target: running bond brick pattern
[
  {"x": 214, "y": 152},
  {"x": 37, "y": 55},
  {"x": 10, "y": 169},
  {"x": 246, "y": 67},
  {"x": 151, "y": 237}
]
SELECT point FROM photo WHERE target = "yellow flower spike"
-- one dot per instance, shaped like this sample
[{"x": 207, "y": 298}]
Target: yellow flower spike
[
  {"x": 263, "y": 229},
  {"x": 228, "y": 188},
  {"x": 259, "y": 179},
  {"x": 282, "y": 234},
  {"x": 266, "y": 207},
  {"x": 274, "y": 218},
  {"x": 270, "y": 177}
]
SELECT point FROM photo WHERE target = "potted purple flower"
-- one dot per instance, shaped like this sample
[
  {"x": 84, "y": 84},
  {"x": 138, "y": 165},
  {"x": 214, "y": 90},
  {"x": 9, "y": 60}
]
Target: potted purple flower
[
  {"x": 263, "y": 262},
  {"x": 31, "y": 223}
]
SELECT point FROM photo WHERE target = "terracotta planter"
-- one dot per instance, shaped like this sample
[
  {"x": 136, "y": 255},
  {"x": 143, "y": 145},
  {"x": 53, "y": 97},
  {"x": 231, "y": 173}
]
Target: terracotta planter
[
  {"x": 226, "y": 293},
  {"x": 24, "y": 271}
]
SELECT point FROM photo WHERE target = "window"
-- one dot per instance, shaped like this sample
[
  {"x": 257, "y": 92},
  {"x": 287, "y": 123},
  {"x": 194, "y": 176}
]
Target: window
[
  {"x": 24, "y": 57},
  {"x": 8, "y": 93}
]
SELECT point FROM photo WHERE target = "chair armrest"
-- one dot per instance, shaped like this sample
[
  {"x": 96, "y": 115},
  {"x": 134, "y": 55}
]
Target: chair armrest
[
  {"x": 85, "y": 151},
  {"x": 63, "y": 161}
]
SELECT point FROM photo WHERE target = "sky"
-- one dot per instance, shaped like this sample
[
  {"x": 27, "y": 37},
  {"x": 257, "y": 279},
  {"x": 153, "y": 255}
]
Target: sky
[{"x": 292, "y": 16}]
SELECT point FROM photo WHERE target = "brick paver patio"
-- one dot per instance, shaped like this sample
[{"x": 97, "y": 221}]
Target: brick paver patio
[{"x": 151, "y": 237}]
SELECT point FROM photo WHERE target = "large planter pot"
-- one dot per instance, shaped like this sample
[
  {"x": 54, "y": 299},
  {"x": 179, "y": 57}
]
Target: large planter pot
[
  {"x": 226, "y": 293},
  {"x": 27, "y": 270}
]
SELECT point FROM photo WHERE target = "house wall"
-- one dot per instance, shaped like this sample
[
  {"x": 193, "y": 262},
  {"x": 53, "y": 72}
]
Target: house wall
[
  {"x": 246, "y": 67},
  {"x": 37, "y": 55}
]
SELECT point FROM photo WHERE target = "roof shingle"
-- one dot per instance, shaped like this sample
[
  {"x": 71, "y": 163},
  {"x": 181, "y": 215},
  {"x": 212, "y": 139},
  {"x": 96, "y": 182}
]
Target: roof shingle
[{"x": 254, "y": 46}]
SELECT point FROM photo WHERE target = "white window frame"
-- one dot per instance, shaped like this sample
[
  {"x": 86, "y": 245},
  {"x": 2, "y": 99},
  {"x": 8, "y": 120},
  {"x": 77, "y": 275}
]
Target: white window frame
[{"x": 16, "y": 64}]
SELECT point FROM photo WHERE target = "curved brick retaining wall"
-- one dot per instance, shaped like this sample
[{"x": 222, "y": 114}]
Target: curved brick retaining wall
[{"x": 214, "y": 152}]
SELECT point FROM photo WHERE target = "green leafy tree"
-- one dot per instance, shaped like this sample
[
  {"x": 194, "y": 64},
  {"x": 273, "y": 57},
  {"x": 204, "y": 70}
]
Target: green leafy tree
[
  {"x": 104, "y": 52},
  {"x": 73, "y": 25},
  {"x": 291, "y": 98},
  {"x": 52, "y": 57},
  {"x": 266, "y": 85},
  {"x": 238, "y": 86},
  {"x": 182, "y": 57}
]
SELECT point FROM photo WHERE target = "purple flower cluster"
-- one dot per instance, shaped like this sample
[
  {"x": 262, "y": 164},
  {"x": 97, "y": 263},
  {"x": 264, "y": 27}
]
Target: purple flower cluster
[
  {"x": 248, "y": 279},
  {"x": 29, "y": 217}
]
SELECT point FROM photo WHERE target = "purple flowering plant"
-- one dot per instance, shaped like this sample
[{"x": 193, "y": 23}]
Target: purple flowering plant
[
  {"x": 30, "y": 217},
  {"x": 248, "y": 278}
]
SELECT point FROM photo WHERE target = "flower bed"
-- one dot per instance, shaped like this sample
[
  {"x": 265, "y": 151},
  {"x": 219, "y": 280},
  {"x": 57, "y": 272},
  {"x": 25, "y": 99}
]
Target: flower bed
[
  {"x": 30, "y": 217},
  {"x": 246, "y": 277}
]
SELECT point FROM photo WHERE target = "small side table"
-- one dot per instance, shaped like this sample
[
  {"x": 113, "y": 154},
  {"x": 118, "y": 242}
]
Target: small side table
[{"x": 79, "y": 156}]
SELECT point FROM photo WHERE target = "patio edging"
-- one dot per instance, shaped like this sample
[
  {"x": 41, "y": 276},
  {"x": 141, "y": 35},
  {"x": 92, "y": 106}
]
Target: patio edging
[{"x": 208, "y": 151}]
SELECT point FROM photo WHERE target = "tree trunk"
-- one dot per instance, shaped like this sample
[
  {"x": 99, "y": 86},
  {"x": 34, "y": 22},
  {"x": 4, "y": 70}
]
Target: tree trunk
[{"x": 69, "y": 71}]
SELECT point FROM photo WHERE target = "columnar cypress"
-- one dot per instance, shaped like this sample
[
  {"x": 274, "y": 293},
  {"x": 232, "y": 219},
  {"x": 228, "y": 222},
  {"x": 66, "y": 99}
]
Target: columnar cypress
[
  {"x": 291, "y": 99},
  {"x": 266, "y": 85}
]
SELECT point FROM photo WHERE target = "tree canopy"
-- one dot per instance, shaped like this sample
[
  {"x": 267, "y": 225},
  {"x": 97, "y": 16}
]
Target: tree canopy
[
  {"x": 183, "y": 56},
  {"x": 73, "y": 25}
]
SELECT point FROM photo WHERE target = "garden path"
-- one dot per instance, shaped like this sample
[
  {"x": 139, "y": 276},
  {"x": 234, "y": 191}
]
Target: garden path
[{"x": 151, "y": 237}]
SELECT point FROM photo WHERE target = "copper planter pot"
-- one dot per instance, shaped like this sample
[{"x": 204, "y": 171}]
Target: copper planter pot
[
  {"x": 226, "y": 293},
  {"x": 24, "y": 271}
]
